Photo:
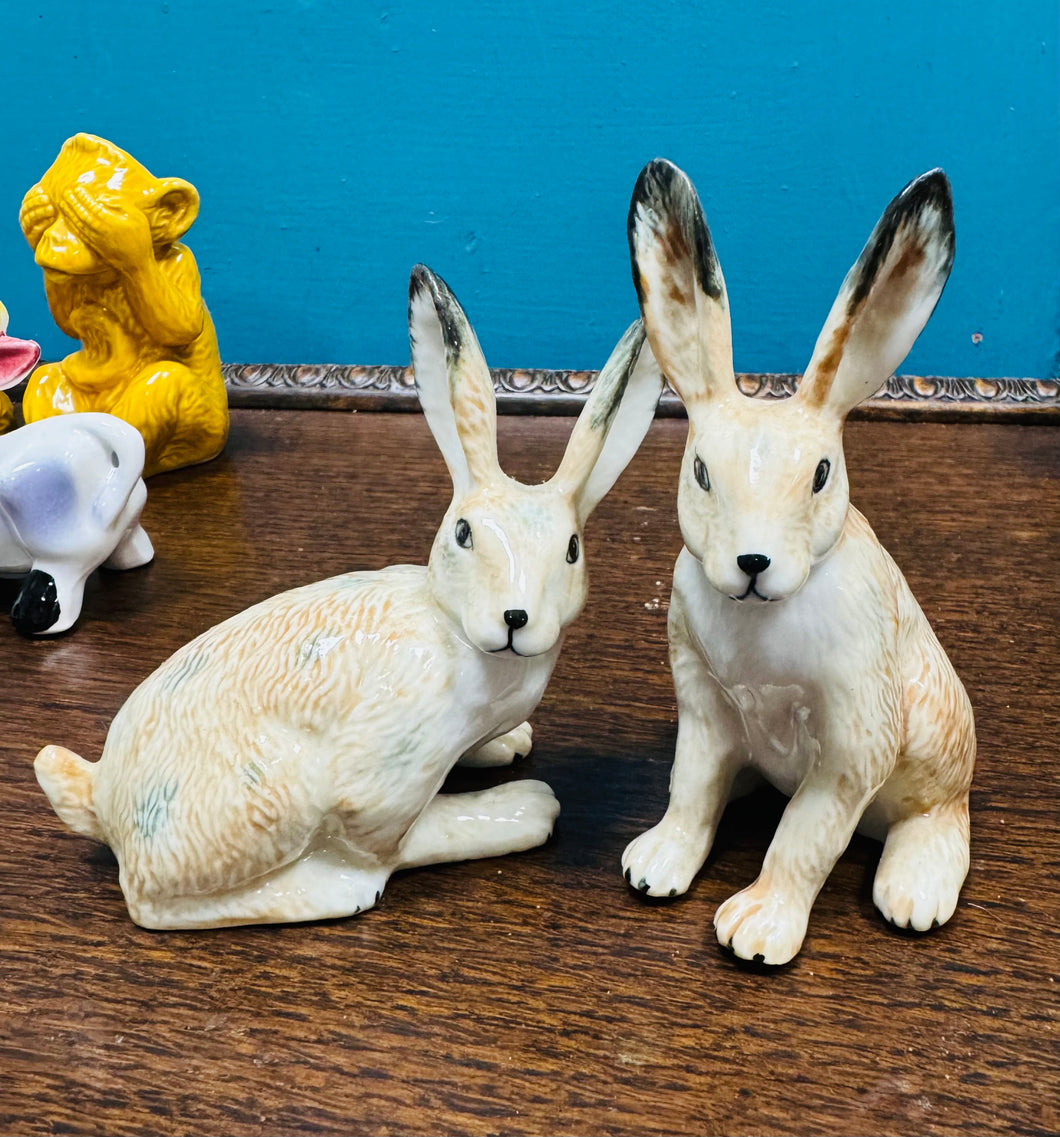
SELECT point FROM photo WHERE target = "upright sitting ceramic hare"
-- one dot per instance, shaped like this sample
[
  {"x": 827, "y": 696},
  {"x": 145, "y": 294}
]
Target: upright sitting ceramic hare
[
  {"x": 796, "y": 645},
  {"x": 281, "y": 766}
]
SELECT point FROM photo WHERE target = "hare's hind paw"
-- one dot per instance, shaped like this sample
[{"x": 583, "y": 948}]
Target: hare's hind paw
[
  {"x": 924, "y": 863},
  {"x": 664, "y": 860},
  {"x": 503, "y": 750},
  {"x": 317, "y": 886}
]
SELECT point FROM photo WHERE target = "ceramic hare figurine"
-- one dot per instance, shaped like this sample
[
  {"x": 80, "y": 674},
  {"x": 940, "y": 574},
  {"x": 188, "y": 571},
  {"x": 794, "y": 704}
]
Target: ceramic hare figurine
[
  {"x": 797, "y": 648},
  {"x": 281, "y": 766},
  {"x": 70, "y": 500}
]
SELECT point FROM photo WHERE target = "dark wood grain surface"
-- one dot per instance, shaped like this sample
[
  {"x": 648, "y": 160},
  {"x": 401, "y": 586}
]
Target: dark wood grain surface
[{"x": 536, "y": 994}]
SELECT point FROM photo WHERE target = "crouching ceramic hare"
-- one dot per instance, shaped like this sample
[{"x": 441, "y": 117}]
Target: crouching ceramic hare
[
  {"x": 281, "y": 766},
  {"x": 70, "y": 500},
  {"x": 797, "y": 648}
]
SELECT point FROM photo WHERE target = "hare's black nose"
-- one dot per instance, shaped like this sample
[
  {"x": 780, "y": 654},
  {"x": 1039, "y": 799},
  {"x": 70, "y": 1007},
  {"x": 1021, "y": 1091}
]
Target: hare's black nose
[
  {"x": 515, "y": 618},
  {"x": 752, "y": 563}
]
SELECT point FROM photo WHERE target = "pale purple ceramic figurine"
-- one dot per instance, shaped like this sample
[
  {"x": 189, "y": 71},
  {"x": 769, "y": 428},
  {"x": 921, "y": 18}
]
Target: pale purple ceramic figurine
[{"x": 70, "y": 500}]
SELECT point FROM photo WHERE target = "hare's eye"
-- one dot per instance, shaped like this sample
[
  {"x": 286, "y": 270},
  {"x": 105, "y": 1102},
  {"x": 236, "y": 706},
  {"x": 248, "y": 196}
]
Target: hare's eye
[
  {"x": 701, "y": 474},
  {"x": 820, "y": 475},
  {"x": 463, "y": 534},
  {"x": 572, "y": 549}
]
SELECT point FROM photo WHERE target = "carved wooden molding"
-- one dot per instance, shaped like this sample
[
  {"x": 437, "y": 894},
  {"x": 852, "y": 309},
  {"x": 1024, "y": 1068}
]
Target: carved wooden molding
[{"x": 524, "y": 391}]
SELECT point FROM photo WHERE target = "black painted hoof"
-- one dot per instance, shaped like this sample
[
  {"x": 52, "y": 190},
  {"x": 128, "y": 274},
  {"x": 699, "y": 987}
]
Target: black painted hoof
[{"x": 36, "y": 607}]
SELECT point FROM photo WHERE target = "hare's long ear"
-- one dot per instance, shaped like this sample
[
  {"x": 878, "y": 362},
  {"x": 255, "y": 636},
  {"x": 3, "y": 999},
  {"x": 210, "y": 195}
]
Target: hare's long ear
[
  {"x": 679, "y": 283},
  {"x": 612, "y": 424},
  {"x": 886, "y": 298},
  {"x": 453, "y": 381}
]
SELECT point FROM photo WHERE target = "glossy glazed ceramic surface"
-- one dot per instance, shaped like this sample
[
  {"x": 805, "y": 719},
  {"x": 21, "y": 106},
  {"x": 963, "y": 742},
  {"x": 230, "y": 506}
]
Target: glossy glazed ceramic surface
[
  {"x": 17, "y": 360},
  {"x": 71, "y": 494},
  {"x": 798, "y": 652},
  {"x": 107, "y": 234},
  {"x": 281, "y": 766}
]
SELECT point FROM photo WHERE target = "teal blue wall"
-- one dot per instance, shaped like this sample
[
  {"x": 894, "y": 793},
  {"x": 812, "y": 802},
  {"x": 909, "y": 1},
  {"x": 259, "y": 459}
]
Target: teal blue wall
[{"x": 337, "y": 143}]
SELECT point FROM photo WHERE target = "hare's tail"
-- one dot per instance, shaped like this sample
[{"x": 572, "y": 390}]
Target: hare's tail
[{"x": 69, "y": 781}]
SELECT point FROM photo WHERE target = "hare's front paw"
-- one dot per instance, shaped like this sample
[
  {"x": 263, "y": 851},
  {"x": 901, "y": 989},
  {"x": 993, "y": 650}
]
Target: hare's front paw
[
  {"x": 663, "y": 861},
  {"x": 760, "y": 925},
  {"x": 918, "y": 904},
  {"x": 485, "y": 823},
  {"x": 502, "y": 751},
  {"x": 529, "y": 809}
]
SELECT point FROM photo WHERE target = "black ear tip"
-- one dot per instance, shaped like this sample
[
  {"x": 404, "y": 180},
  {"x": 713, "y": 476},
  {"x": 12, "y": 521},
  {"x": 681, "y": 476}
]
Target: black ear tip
[
  {"x": 423, "y": 279},
  {"x": 658, "y": 188},
  {"x": 673, "y": 214},
  {"x": 934, "y": 181},
  {"x": 657, "y": 181},
  {"x": 930, "y": 190},
  {"x": 419, "y": 279},
  {"x": 451, "y": 318},
  {"x": 664, "y": 190},
  {"x": 663, "y": 170}
]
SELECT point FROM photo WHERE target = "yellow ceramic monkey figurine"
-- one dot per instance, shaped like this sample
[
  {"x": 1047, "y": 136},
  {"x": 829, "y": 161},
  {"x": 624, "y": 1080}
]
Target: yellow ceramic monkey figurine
[{"x": 106, "y": 231}]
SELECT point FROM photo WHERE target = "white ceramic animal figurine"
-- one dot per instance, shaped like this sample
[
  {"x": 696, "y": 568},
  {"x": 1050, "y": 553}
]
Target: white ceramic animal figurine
[
  {"x": 281, "y": 766},
  {"x": 797, "y": 648},
  {"x": 70, "y": 500}
]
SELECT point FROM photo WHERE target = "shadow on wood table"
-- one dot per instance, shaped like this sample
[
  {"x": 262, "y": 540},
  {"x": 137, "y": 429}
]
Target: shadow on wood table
[{"x": 536, "y": 994}]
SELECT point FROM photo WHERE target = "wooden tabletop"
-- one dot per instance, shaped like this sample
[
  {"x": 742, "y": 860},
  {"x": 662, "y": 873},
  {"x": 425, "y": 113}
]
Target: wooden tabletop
[{"x": 536, "y": 994}]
